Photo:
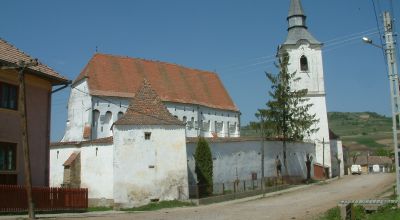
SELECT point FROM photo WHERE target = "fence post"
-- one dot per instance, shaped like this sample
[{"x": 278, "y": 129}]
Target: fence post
[
  {"x": 223, "y": 188},
  {"x": 244, "y": 185}
]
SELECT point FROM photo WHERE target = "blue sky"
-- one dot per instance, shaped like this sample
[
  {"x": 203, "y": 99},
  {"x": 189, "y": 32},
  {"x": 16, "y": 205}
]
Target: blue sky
[{"x": 235, "y": 38}]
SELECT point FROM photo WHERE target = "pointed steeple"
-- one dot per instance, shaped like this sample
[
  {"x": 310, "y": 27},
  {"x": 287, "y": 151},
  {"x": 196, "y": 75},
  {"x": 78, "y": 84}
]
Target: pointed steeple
[
  {"x": 297, "y": 28},
  {"x": 296, "y": 17}
]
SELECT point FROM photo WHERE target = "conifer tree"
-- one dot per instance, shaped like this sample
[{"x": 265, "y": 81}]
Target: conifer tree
[
  {"x": 204, "y": 167},
  {"x": 287, "y": 114}
]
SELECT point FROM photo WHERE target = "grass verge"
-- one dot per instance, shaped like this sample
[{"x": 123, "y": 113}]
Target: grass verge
[
  {"x": 160, "y": 205},
  {"x": 384, "y": 213}
]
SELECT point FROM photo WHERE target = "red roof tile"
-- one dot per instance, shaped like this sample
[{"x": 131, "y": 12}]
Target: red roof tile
[
  {"x": 106, "y": 140},
  {"x": 12, "y": 55},
  {"x": 71, "y": 159},
  {"x": 118, "y": 76},
  {"x": 146, "y": 108}
]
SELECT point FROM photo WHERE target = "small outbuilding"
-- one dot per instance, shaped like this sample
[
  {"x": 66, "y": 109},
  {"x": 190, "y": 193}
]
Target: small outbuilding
[{"x": 150, "y": 162}]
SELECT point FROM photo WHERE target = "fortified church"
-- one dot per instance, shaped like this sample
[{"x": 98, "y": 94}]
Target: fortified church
[{"x": 133, "y": 125}]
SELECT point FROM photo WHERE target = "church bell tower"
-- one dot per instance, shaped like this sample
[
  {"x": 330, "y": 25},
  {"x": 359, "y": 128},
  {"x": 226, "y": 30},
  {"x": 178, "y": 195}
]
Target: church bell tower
[{"x": 305, "y": 58}]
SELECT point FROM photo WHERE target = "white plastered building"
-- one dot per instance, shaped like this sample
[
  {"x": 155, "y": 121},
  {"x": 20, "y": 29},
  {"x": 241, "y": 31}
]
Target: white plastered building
[
  {"x": 101, "y": 93},
  {"x": 305, "y": 58}
]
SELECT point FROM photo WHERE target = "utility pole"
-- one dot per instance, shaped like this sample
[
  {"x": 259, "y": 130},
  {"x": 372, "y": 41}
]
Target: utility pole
[
  {"x": 24, "y": 129},
  {"x": 262, "y": 155},
  {"x": 394, "y": 88}
]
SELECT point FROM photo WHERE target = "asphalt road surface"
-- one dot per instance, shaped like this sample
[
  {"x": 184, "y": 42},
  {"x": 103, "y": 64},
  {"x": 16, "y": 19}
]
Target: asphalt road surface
[{"x": 306, "y": 203}]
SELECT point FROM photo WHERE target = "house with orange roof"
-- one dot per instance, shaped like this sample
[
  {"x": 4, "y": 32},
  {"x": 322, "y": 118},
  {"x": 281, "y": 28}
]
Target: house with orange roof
[
  {"x": 101, "y": 93},
  {"x": 39, "y": 82}
]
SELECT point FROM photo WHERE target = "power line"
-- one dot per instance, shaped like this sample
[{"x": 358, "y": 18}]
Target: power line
[
  {"x": 380, "y": 34},
  {"x": 329, "y": 43}
]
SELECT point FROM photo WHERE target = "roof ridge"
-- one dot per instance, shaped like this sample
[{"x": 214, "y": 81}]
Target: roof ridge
[
  {"x": 156, "y": 61},
  {"x": 41, "y": 67}
]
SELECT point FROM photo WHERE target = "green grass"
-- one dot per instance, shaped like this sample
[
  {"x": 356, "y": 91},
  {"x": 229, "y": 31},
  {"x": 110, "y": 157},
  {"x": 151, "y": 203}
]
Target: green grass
[
  {"x": 160, "y": 205},
  {"x": 331, "y": 214},
  {"x": 384, "y": 213}
]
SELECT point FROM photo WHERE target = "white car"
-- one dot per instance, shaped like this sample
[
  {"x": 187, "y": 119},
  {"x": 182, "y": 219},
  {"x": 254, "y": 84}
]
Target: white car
[{"x": 356, "y": 169}]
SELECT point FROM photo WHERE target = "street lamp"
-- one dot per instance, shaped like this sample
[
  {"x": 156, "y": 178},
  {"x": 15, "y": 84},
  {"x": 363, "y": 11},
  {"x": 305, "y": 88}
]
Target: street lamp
[
  {"x": 369, "y": 41},
  {"x": 391, "y": 59}
]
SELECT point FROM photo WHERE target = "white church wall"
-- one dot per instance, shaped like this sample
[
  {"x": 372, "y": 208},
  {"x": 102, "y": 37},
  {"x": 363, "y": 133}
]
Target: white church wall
[
  {"x": 96, "y": 168},
  {"x": 204, "y": 120},
  {"x": 58, "y": 156},
  {"x": 337, "y": 149},
  {"x": 109, "y": 108},
  {"x": 239, "y": 159},
  {"x": 95, "y": 111},
  {"x": 79, "y": 107},
  {"x": 149, "y": 169},
  {"x": 313, "y": 80}
]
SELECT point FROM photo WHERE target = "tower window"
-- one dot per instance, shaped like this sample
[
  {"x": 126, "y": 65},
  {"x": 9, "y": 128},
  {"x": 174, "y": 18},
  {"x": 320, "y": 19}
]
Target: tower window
[
  {"x": 147, "y": 135},
  {"x": 303, "y": 63}
]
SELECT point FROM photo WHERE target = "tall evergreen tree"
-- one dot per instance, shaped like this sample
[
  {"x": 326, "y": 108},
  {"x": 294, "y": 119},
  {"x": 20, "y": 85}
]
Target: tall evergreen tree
[
  {"x": 204, "y": 167},
  {"x": 287, "y": 114}
]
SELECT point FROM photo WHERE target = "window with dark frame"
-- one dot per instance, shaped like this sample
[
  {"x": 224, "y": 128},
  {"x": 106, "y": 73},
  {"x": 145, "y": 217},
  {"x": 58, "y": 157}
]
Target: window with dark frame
[
  {"x": 8, "y": 156},
  {"x": 303, "y": 63},
  {"x": 147, "y": 135},
  {"x": 8, "y": 96}
]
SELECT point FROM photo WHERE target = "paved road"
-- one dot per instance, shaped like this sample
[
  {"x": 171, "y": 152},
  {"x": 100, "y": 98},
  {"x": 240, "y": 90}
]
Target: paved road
[{"x": 305, "y": 203}]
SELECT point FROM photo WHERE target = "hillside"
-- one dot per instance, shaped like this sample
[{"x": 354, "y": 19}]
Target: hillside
[{"x": 362, "y": 130}]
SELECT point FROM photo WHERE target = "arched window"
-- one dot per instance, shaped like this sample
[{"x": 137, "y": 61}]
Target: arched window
[
  {"x": 120, "y": 114},
  {"x": 95, "y": 123},
  {"x": 184, "y": 119},
  {"x": 303, "y": 63},
  {"x": 107, "y": 123}
]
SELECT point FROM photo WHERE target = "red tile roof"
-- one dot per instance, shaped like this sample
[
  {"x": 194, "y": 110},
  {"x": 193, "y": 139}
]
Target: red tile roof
[
  {"x": 118, "y": 76},
  {"x": 71, "y": 159},
  {"x": 146, "y": 108},
  {"x": 106, "y": 140},
  {"x": 12, "y": 55}
]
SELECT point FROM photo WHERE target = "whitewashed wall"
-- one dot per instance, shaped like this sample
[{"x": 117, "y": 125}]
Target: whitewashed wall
[
  {"x": 149, "y": 169},
  {"x": 94, "y": 111},
  {"x": 239, "y": 159},
  {"x": 313, "y": 80},
  {"x": 336, "y": 148},
  {"x": 79, "y": 109},
  {"x": 96, "y": 168},
  {"x": 207, "y": 117},
  {"x": 57, "y": 158}
]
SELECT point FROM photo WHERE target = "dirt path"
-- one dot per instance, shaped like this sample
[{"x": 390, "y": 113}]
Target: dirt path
[{"x": 306, "y": 203}]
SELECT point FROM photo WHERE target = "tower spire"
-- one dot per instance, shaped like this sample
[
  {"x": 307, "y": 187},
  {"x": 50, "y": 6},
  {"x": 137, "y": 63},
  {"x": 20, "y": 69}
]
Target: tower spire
[
  {"x": 296, "y": 17},
  {"x": 297, "y": 28}
]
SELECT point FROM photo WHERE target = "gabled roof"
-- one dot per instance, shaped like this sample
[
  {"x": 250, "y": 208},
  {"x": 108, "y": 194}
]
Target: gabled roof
[
  {"x": 117, "y": 76},
  {"x": 11, "y": 55},
  {"x": 71, "y": 158},
  {"x": 146, "y": 108}
]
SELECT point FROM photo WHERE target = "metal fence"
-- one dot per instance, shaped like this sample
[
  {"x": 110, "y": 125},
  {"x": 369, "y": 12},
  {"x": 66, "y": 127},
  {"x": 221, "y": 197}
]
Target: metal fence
[
  {"x": 14, "y": 199},
  {"x": 241, "y": 186}
]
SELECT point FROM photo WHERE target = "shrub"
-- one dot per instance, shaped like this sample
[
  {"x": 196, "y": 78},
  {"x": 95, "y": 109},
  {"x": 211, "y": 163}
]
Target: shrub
[{"x": 204, "y": 168}]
